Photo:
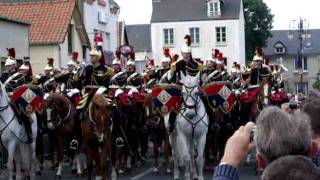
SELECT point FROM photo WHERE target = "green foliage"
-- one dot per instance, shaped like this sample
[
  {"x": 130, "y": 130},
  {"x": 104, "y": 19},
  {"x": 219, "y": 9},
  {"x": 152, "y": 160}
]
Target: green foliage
[
  {"x": 316, "y": 85},
  {"x": 258, "y": 19}
]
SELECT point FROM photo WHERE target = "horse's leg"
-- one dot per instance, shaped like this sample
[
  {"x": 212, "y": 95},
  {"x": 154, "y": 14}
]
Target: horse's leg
[
  {"x": 60, "y": 156},
  {"x": 156, "y": 152},
  {"x": 18, "y": 168},
  {"x": 175, "y": 156},
  {"x": 78, "y": 163},
  {"x": 200, "y": 159},
  {"x": 89, "y": 163},
  {"x": 99, "y": 167},
  {"x": 167, "y": 152}
]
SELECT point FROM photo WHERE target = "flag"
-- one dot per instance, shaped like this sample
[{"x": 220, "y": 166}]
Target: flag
[
  {"x": 299, "y": 59},
  {"x": 166, "y": 98},
  {"x": 220, "y": 95}
]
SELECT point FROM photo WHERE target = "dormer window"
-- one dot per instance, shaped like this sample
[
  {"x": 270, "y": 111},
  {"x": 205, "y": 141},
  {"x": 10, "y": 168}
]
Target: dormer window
[
  {"x": 279, "y": 48},
  {"x": 214, "y": 8}
]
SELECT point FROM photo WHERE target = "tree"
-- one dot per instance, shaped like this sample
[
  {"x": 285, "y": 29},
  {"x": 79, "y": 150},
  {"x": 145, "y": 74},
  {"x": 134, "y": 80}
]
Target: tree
[{"x": 258, "y": 19}]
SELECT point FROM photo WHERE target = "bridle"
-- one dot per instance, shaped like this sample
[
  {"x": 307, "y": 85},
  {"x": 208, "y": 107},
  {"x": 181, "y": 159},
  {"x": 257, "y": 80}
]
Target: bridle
[
  {"x": 195, "y": 99},
  {"x": 62, "y": 120}
]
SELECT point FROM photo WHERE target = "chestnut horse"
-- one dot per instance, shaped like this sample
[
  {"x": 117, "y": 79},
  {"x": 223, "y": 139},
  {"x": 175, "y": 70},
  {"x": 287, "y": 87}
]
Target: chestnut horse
[
  {"x": 60, "y": 121},
  {"x": 96, "y": 134},
  {"x": 159, "y": 134}
]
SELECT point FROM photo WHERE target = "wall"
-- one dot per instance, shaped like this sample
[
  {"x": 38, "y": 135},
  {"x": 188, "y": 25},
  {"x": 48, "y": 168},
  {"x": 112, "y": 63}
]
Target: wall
[
  {"x": 91, "y": 23},
  {"x": 14, "y": 35},
  {"x": 39, "y": 55},
  {"x": 292, "y": 77},
  {"x": 232, "y": 50},
  {"x": 76, "y": 46}
]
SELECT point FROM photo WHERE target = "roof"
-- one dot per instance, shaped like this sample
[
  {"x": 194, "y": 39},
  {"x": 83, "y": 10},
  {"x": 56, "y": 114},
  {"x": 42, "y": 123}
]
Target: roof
[
  {"x": 4, "y": 18},
  {"x": 191, "y": 10},
  {"x": 139, "y": 36},
  {"x": 291, "y": 44},
  {"x": 49, "y": 19}
]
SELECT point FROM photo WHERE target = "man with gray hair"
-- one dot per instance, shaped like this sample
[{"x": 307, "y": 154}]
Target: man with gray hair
[
  {"x": 279, "y": 134},
  {"x": 291, "y": 168}
]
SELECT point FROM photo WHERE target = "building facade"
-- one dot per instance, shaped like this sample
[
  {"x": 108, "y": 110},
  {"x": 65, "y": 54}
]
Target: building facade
[
  {"x": 50, "y": 36},
  {"x": 102, "y": 16},
  {"x": 283, "y": 47},
  {"x": 13, "y": 33},
  {"x": 212, "y": 24}
]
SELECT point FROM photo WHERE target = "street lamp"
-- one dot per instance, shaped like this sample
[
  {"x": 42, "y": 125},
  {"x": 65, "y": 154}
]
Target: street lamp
[{"x": 300, "y": 26}]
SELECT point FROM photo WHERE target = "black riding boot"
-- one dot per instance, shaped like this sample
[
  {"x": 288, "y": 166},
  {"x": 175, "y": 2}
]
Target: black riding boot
[
  {"x": 27, "y": 126},
  {"x": 172, "y": 121}
]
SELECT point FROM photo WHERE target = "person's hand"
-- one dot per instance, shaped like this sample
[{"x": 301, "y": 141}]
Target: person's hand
[{"x": 238, "y": 146}]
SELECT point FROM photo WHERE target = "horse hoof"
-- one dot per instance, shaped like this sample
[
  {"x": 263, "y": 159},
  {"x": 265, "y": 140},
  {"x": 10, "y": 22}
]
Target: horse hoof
[
  {"x": 57, "y": 177},
  {"x": 120, "y": 172},
  {"x": 79, "y": 175},
  {"x": 168, "y": 171},
  {"x": 74, "y": 171},
  {"x": 128, "y": 169},
  {"x": 139, "y": 164},
  {"x": 155, "y": 171},
  {"x": 38, "y": 173}
]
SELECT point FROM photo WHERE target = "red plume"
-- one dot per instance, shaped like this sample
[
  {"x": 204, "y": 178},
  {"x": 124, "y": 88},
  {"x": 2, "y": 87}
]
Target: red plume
[
  {"x": 166, "y": 52},
  {"x": 132, "y": 55},
  {"x": 259, "y": 51},
  {"x": 118, "y": 54},
  {"x": 267, "y": 61},
  {"x": 50, "y": 61},
  {"x": 220, "y": 56},
  {"x": 26, "y": 61},
  {"x": 11, "y": 53},
  {"x": 238, "y": 66},
  {"x": 225, "y": 61},
  {"x": 188, "y": 39},
  {"x": 175, "y": 58},
  {"x": 216, "y": 53}
]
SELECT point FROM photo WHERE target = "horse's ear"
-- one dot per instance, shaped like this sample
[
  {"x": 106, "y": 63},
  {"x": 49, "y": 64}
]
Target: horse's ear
[{"x": 183, "y": 77}]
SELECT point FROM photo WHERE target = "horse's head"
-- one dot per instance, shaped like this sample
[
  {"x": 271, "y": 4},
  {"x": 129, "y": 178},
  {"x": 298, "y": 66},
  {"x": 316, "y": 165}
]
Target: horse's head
[
  {"x": 56, "y": 108},
  {"x": 152, "y": 119},
  {"x": 190, "y": 94},
  {"x": 100, "y": 115},
  {"x": 3, "y": 94}
]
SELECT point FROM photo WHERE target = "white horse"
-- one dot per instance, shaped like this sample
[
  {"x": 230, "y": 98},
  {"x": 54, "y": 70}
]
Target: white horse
[
  {"x": 191, "y": 130},
  {"x": 14, "y": 139}
]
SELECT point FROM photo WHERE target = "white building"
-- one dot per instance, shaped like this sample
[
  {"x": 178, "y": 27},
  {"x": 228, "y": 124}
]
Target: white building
[
  {"x": 212, "y": 24},
  {"x": 102, "y": 16},
  {"x": 13, "y": 33}
]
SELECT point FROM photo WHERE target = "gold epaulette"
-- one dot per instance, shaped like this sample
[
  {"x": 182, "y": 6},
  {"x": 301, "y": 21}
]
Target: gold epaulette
[
  {"x": 110, "y": 72},
  {"x": 173, "y": 66},
  {"x": 200, "y": 67}
]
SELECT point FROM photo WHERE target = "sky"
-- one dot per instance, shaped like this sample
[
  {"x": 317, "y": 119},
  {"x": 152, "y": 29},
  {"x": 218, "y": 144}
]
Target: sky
[{"x": 139, "y": 11}]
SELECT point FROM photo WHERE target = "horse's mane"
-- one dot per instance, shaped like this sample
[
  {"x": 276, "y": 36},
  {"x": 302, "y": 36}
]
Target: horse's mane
[
  {"x": 59, "y": 99},
  {"x": 101, "y": 100}
]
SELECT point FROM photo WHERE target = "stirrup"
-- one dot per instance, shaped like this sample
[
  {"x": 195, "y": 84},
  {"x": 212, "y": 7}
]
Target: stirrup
[
  {"x": 74, "y": 144},
  {"x": 119, "y": 142}
]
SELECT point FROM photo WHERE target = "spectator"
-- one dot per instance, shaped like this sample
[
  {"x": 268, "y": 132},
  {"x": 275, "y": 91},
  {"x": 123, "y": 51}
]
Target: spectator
[
  {"x": 312, "y": 108},
  {"x": 280, "y": 134},
  {"x": 291, "y": 168},
  {"x": 277, "y": 134}
]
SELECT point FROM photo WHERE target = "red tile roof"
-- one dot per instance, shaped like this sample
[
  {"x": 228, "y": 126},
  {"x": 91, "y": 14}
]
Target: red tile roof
[{"x": 49, "y": 20}]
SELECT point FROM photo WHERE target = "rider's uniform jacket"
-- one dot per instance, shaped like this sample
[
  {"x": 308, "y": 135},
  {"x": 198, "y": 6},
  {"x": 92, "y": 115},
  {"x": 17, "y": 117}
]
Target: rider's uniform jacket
[
  {"x": 98, "y": 75},
  {"x": 73, "y": 82},
  {"x": 190, "y": 67},
  {"x": 257, "y": 74},
  {"x": 16, "y": 80},
  {"x": 6, "y": 75}
]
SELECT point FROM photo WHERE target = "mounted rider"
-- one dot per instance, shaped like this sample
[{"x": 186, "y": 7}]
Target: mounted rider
[
  {"x": 10, "y": 66},
  {"x": 185, "y": 66}
]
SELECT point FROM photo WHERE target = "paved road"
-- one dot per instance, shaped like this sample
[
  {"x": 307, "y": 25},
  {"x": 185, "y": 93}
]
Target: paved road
[{"x": 143, "y": 173}]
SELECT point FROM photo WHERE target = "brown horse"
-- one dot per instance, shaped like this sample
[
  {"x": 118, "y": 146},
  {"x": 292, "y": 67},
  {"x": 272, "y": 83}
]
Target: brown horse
[
  {"x": 96, "y": 134},
  {"x": 159, "y": 134},
  {"x": 60, "y": 121}
]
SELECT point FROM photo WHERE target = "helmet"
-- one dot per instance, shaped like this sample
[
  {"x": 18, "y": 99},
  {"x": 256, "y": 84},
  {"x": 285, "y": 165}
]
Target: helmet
[
  {"x": 10, "y": 61},
  {"x": 130, "y": 62},
  {"x": 116, "y": 61},
  {"x": 95, "y": 52},
  {"x": 186, "y": 47}
]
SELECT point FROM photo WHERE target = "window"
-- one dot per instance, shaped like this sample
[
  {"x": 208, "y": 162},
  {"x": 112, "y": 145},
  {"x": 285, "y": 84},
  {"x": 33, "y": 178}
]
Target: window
[
  {"x": 70, "y": 39},
  {"x": 304, "y": 64},
  {"x": 214, "y": 8},
  {"x": 195, "y": 35},
  {"x": 279, "y": 50},
  {"x": 221, "y": 35},
  {"x": 301, "y": 88},
  {"x": 168, "y": 37}
]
